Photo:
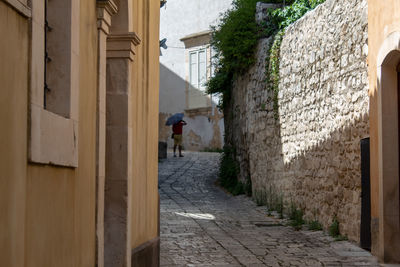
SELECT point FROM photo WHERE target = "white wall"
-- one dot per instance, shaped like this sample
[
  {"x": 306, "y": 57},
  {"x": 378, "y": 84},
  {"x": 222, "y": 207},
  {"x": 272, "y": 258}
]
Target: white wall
[
  {"x": 183, "y": 17},
  {"x": 180, "y": 18}
]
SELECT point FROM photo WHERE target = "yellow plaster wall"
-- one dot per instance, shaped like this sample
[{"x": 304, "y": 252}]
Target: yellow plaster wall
[
  {"x": 61, "y": 201},
  {"x": 383, "y": 19},
  {"x": 46, "y": 213},
  {"x": 145, "y": 119},
  {"x": 13, "y": 134}
]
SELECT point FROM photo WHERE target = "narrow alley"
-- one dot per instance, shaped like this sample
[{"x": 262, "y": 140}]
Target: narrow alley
[{"x": 201, "y": 225}]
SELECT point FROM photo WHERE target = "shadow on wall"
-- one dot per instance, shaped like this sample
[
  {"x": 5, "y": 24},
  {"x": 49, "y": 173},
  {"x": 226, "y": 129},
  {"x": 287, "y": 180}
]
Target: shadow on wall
[
  {"x": 323, "y": 178},
  {"x": 306, "y": 152},
  {"x": 205, "y": 128}
]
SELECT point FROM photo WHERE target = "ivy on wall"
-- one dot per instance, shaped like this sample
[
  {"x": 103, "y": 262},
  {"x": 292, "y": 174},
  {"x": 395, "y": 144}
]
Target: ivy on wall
[
  {"x": 278, "y": 21},
  {"x": 272, "y": 69},
  {"x": 235, "y": 39}
]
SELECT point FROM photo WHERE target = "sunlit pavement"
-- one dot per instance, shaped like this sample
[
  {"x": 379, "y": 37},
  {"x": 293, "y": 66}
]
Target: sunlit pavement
[{"x": 201, "y": 225}]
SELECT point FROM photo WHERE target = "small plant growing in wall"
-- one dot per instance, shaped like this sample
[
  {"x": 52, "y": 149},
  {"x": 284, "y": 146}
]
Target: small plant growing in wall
[
  {"x": 263, "y": 106},
  {"x": 296, "y": 217},
  {"x": 334, "y": 230},
  {"x": 281, "y": 207},
  {"x": 314, "y": 225}
]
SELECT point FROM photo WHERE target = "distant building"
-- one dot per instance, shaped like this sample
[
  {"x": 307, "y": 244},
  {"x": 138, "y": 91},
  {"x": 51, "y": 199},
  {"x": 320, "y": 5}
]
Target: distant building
[{"x": 185, "y": 67}]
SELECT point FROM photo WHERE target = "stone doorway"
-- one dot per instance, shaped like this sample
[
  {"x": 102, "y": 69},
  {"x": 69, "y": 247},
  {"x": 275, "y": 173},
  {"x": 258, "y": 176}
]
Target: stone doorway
[{"x": 389, "y": 150}]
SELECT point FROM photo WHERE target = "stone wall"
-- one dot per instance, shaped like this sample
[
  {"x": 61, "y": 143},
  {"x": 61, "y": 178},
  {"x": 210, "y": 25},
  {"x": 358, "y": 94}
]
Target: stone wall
[{"x": 310, "y": 152}]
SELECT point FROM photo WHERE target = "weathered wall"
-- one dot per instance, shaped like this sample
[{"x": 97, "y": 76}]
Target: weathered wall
[
  {"x": 309, "y": 154},
  {"x": 47, "y": 212},
  {"x": 204, "y": 129},
  {"x": 383, "y": 20},
  {"x": 13, "y": 136},
  {"x": 60, "y": 202},
  {"x": 145, "y": 124}
]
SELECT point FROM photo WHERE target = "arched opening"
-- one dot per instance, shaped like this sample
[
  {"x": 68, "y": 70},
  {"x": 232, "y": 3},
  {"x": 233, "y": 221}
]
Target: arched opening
[{"x": 389, "y": 150}]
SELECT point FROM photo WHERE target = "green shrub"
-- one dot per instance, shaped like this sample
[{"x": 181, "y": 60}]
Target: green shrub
[
  {"x": 272, "y": 69},
  {"x": 234, "y": 41},
  {"x": 279, "y": 20},
  {"x": 229, "y": 169},
  {"x": 235, "y": 38},
  {"x": 228, "y": 174},
  {"x": 238, "y": 189}
]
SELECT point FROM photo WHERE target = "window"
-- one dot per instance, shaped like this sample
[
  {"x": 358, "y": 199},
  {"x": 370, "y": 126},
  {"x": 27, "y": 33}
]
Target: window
[
  {"x": 54, "y": 83},
  {"x": 198, "y": 68},
  {"x": 60, "y": 57}
]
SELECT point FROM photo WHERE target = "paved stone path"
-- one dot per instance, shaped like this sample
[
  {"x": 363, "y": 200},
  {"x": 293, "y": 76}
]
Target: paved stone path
[{"x": 201, "y": 225}]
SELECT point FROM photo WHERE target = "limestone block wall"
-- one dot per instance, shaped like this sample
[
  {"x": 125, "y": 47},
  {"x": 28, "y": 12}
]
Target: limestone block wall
[{"x": 310, "y": 152}]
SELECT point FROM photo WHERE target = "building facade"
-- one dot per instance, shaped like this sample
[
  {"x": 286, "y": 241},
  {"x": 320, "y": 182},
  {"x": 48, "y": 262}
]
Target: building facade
[
  {"x": 79, "y": 109},
  {"x": 185, "y": 67},
  {"x": 384, "y": 60}
]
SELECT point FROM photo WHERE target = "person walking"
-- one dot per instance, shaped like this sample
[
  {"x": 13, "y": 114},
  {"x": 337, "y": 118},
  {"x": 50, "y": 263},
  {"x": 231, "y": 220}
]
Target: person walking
[{"x": 177, "y": 130}]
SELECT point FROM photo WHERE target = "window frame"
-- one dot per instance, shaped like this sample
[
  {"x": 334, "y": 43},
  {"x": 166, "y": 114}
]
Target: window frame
[
  {"x": 198, "y": 84},
  {"x": 53, "y": 138}
]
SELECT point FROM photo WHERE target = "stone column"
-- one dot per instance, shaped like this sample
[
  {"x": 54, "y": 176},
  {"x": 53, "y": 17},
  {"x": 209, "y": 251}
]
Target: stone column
[
  {"x": 120, "y": 55},
  {"x": 105, "y": 9}
]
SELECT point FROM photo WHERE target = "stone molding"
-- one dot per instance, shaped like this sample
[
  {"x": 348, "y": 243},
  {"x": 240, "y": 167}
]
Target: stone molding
[
  {"x": 388, "y": 153},
  {"x": 105, "y": 10},
  {"x": 391, "y": 43},
  {"x": 53, "y": 139},
  {"x": 193, "y": 112},
  {"x": 20, "y": 7},
  {"x": 197, "y": 40},
  {"x": 122, "y": 45}
]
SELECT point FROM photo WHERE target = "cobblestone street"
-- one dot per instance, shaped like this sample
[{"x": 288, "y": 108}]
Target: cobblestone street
[{"x": 201, "y": 225}]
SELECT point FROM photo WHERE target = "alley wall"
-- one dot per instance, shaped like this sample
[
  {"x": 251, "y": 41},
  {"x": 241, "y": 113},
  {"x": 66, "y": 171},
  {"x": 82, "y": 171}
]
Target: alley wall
[{"x": 308, "y": 150}]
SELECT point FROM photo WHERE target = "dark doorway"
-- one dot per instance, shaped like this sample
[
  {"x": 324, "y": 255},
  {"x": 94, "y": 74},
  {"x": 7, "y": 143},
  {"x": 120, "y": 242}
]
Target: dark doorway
[
  {"x": 365, "y": 234},
  {"x": 398, "y": 124}
]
